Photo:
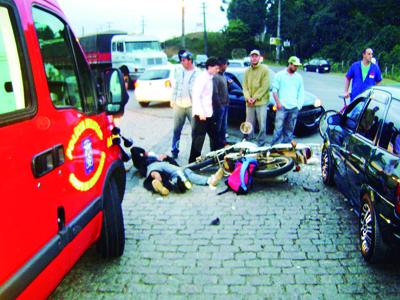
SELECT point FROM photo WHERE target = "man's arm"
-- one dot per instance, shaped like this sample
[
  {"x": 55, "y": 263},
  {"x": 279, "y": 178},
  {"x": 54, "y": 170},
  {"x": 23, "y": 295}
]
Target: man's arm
[
  {"x": 275, "y": 89},
  {"x": 175, "y": 89},
  {"x": 378, "y": 76},
  {"x": 246, "y": 92},
  {"x": 346, "y": 86},
  {"x": 300, "y": 94}
]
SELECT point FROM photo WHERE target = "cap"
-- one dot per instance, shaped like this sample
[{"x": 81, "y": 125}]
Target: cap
[
  {"x": 294, "y": 60},
  {"x": 255, "y": 52},
  {"x": 187, "y": 55}
]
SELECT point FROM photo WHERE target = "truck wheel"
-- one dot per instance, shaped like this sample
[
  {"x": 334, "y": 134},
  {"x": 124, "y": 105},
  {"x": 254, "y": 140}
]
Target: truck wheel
[{"x": 112, "y": 237}]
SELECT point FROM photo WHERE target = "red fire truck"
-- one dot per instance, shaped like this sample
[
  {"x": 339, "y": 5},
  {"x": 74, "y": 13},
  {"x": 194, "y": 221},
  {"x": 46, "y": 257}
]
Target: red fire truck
[{"x": 62, "y": 179}]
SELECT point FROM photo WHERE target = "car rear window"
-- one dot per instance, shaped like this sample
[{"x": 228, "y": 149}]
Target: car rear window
[{"x": 155, "y": 74}]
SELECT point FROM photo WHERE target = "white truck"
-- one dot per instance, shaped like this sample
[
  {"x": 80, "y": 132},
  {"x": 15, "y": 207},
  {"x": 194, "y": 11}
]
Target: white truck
[{"x": 132, "y": 54}]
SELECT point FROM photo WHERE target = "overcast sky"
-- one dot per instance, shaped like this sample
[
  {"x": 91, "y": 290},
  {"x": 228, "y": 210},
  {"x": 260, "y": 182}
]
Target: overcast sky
[{"x": 162, "y": 18}]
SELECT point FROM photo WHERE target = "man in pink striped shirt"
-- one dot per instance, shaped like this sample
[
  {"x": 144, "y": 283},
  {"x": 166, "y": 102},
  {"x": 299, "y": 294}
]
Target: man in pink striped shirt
[{"x": 202, "y": 110}]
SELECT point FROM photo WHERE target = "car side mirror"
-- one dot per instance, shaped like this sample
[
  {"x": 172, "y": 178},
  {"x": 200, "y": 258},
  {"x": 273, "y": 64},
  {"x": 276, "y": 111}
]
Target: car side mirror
[{"x": 115, "y": 92}]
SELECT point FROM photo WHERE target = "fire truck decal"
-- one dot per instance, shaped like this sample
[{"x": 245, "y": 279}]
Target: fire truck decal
[
  {"x": 84, "y": 186},
  {"x": 86, "y": 146}
]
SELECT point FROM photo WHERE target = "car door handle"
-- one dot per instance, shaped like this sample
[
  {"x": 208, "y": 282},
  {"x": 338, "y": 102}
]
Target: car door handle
[{"x": 48, "y": 160}]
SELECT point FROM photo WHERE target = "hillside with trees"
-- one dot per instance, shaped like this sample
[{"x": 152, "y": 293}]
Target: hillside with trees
[{"x": 333, "y": 29}]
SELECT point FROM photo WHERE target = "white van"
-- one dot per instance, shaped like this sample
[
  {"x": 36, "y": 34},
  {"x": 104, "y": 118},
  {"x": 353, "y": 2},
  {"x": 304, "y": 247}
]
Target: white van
[{"x": 132, "y": 54}]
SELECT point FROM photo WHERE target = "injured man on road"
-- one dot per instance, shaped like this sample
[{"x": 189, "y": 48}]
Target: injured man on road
[{"x": 163, "y": 174}]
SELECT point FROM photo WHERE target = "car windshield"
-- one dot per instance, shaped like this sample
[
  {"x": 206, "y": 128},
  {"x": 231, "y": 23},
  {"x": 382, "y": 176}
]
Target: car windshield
[
  {"x": 142, "y": 46},
  {"x": 323, "y": 62},
  {"x": 155, "y": 74}
]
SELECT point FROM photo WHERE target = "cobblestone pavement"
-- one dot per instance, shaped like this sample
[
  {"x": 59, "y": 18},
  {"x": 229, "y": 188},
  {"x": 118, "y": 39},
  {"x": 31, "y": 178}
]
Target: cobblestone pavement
[{"x": 278, "y": 242}]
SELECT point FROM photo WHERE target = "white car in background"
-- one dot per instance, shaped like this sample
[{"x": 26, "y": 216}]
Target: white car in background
[
  {"x": 155, "y": 85},
  {"x": 238, "y": 63}
]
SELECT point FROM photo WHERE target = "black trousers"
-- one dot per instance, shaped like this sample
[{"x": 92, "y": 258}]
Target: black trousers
[{"x": 199, "y": 130}]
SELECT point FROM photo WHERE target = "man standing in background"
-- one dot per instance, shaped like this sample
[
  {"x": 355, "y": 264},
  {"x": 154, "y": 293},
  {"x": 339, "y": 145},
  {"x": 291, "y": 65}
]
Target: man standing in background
[
  {"x": 202, "y": 110},
  {"x": 256, "y": 94},
  {"x": 362, "y": 74},
  {"x": 182, "y": 98},
  {"x": 220, "y": 102},
  {"x": 288, "y": 91}
]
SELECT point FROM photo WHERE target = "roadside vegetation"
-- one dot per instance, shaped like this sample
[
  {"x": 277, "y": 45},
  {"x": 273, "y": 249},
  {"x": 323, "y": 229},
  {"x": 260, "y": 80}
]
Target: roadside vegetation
[{"x": 336, "y": 30}]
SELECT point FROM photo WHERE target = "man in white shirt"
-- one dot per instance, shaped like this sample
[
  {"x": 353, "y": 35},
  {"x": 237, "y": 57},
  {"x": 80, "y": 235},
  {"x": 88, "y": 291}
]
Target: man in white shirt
[
  {"x": 202, "y": 110},
  {"x": 182, "y": 98}
]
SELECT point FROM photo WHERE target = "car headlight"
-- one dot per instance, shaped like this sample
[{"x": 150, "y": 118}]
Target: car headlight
[{"x": 317, "y": 102}]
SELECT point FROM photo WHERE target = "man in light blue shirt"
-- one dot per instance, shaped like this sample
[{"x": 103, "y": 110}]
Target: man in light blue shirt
[{"x": 288, "y": 92}]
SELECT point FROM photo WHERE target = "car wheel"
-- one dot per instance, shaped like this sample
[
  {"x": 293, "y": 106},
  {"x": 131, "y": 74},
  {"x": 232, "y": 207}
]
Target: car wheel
[
  {"x": 144, "y": 104},
  {"x": 372, "y": 247},
  {"x": 327, "y": 170},
  {"x": 112, "y": 237}
]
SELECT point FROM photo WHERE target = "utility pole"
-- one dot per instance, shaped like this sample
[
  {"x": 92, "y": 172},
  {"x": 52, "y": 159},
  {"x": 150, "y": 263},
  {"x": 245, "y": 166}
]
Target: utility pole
[
  {"x": 278, "y": 32},
  {"x": 183, "y": 42},
  {"x": 205, "y": 29}
]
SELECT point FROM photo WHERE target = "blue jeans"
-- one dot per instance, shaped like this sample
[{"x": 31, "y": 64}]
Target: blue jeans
[
  {"x": 172, "y": 170},
  {"x": 285, "y": 121},
  {"x": 259, "y": 112},
  {"x": 221, "y": 118},
  {"x": 180, "y": 115}
]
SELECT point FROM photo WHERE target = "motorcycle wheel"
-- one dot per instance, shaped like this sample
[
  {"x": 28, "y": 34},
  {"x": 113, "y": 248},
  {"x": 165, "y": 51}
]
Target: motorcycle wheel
[
  {"x": 273, "y": 166},
  {"x": 198, "y": 165}
]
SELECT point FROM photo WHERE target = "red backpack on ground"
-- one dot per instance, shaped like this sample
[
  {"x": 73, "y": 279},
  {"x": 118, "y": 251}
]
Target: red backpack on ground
[{"x": 242, "y": 176}]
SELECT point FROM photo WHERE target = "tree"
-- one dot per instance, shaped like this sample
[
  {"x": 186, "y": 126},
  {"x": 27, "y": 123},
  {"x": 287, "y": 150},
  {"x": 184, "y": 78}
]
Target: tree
[
  {"x": 237, "y": 35},
  {"x": 250, "y": 12}
]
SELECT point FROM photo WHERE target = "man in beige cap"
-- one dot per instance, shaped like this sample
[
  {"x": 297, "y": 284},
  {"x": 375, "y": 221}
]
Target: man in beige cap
[
  {"x": 256, "y": 94},
  {"x": 288, "y": 91}
]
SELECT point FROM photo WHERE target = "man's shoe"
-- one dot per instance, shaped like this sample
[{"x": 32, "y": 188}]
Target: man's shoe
[
  {"x": 159, "y": 188},
  {"x": 216, "y": 177}
]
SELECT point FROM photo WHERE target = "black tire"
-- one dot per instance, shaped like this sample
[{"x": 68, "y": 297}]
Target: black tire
[
  {"x": 372, "y": 247},
  {"x": 275, "y": 166},
  {"x": 323, "y": 125},
  {"x": 112, "y": 237},
  {"x": 327, "y": 169},
  {"x": 144, "y": 104},
  {"x": 201, "y": 165}
]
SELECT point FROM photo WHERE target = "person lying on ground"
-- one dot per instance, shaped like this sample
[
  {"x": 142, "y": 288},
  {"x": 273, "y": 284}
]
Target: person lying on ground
[{"x": 163, "y": 174}]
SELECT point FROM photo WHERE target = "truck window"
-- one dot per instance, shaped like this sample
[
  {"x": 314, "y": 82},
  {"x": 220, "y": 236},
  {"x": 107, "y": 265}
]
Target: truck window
[
  {"x": 58, "y": 60},
  {"x": 140, "y": 46},
  {"x": 12, "y": 96}
]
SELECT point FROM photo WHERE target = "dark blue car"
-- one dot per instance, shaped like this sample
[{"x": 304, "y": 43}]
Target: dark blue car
[
  {"x": 308, "y": 117},
  {"x": 361, "y": 155}
]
